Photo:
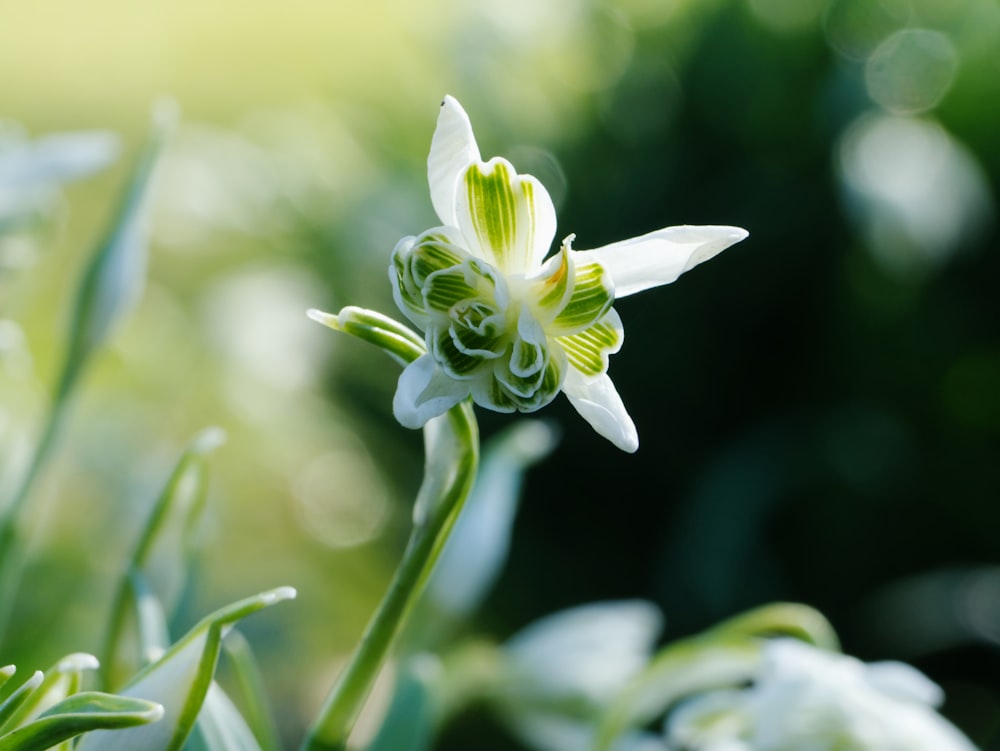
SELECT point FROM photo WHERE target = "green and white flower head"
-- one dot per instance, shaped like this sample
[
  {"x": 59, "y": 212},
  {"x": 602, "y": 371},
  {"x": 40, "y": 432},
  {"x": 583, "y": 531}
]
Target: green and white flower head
[
  {"x": 503, "y": 323},
  {"x": 807, "y": 698}
]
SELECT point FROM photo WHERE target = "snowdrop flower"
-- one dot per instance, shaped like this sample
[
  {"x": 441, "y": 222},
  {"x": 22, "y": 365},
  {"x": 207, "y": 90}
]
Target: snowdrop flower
[
  {"x": 560, "y": 672},
  {"x": 502, "y": 323},
  {"x": 808, "y": 698}
]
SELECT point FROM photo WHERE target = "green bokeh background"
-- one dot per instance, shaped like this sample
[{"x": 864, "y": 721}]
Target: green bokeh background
[{"x": 818, "y": 408}]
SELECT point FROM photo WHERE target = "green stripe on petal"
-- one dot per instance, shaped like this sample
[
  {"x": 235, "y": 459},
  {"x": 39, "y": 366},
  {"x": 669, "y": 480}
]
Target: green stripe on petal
[
  {"x": 447, "y": 288},
  {"x": 592, "y": 297},
  {"x": 550, "y": 292},
  {"x": 492, "y": 208},
  {"x": 476, "y": 332},
  {"x": 433, "y": 252},
  {"x": 530, "y": 394},
  {"x": 588, "y": 350},
  {"x": 527, "y": 358},
  {"x": 453, "y": 361},
  {"x": 507, "y": 219}
]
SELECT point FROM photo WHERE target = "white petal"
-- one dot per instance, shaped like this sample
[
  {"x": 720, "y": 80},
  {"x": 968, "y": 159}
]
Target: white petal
[
  {"x": 507, "y": 219},
  {"x": 425, "y": 391},
  {"x": 597, "y": 401},
  {"x": 661, "y": 256},
  {"x": 453, "y": 149},
  {"x": 902, "y": 681},
  {"x": 588, "y": 651}
]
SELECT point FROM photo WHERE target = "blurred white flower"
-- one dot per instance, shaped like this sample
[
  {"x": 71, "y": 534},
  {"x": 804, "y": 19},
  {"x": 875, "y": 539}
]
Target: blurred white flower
[
  {"x": 563, "y": 669},
  {"x": 808, "y": 699},
  {"x": 502, "y": 324}
]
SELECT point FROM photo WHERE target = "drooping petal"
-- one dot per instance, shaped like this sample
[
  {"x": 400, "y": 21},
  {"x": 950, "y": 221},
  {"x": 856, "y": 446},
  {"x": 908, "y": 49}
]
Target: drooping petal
[
  {"x": 425, "y": 391},
  {"x": 507, "y": 219},
  {"x": 588, "y": 350},
  {"x": 660, "y": 257},
  {"x": 453, "y": 149},
  {"x": 598, "y": 403}
]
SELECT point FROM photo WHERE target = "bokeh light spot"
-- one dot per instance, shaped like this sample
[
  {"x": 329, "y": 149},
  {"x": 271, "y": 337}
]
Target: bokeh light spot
[
  {"x": 341, "y": 499},
  {"x": 911, "y": 71},
  {"x": 916, "y": 194}
]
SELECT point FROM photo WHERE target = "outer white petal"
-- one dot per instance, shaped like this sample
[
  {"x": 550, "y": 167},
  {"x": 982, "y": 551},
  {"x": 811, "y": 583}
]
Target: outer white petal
[
  {"x": 905, "y": 682},
  {"x": 453, "y": 149},
  {"x": 425, "y": 391},
  {"x": 598, "y": 403},
  {"x": 588, "y": 651},
  {"x": 661, "y": 256}
]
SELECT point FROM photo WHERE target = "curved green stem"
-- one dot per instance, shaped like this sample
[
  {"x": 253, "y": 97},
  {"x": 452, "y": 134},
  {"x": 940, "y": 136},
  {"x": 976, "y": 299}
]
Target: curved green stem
[{"x": 452, "y": 458}]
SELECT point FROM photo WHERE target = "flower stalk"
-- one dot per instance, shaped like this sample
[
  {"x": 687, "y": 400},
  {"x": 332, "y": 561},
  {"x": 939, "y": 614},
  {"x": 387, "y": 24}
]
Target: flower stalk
[{"x": 452, "y": 458}]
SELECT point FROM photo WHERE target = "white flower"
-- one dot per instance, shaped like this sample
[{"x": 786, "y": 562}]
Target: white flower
[
  {"x": 504, "y": 325},
  {"x": 808, "y": 699},
  {"x": 561, "y": 671}
]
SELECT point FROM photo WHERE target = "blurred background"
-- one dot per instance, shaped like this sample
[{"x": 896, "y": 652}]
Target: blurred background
[{"x": 818, "y": 408}]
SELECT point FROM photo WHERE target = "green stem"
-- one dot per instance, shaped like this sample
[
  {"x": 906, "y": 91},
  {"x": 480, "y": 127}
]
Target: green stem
[
  {"x": 332, "y": 727},
  {"x": 12, "y": 543}
]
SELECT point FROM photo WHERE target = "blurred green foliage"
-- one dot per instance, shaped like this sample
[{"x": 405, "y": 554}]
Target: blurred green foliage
[{"x": 818, "y": 421}]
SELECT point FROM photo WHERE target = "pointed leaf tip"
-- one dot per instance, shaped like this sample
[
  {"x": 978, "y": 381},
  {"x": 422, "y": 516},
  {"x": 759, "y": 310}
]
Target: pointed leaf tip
[
  {"x": 320, "y": 317},
  {"x": 77, "y": 661},
  {"x": 278, "y": 594}
]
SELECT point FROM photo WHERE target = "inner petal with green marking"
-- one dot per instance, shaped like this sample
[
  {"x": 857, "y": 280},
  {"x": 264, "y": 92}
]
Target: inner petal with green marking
[
  {"x": 498, "y": 213},
  {"x": 588, "y": 350}
]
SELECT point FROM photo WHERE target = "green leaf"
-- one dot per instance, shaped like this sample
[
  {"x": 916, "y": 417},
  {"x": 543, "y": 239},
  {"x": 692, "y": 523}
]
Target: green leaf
[
  {"x": 113, "y": 280},
  {"x": 110, "y": 284},
  {"x": 6, "y": 673},
  {"x": 77, "y": 714},
  {"x": 220, "y": 726},
  {"x": 180, "y": 680},
  {"x": 58, "y": 682},
  {"x": 256, "y": 709},
  {"x": 18, "y": 696},
  {"x": 157, "y": 569}
]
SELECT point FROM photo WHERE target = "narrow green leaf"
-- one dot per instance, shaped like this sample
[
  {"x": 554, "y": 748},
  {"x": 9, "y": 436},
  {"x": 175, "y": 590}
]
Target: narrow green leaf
[
  {"x": 220, "y": 726},
  {"x": 78, "y": 714},
  {"x": 111, "y": 283},
  {"x": 156, "y": 572},
  {"x": 18, "y": 696},
  {"x": 6, "y": 673},
  {"x": 115, "y": 276},
  {"x": 180, "y": 680},
  {"x": 58, "y": 682},
  {"x": 256, "y": 709}
]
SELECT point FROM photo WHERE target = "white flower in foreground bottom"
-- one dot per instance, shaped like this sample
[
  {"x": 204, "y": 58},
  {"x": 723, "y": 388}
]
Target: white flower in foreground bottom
[
  {"x": 808, "y": 698},
  {"x": 502, "y": 324}
]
